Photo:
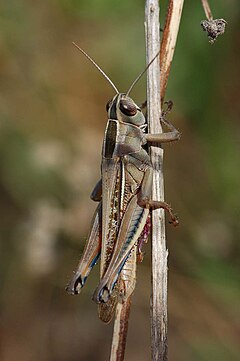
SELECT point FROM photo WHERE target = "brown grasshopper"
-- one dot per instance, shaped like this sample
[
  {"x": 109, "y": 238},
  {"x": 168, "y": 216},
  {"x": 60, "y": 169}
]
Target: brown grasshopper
[{"x": 122, "y": 219}]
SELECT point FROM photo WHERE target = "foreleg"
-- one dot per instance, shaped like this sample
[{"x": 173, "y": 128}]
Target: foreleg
[{"x": 170, "y": 136}]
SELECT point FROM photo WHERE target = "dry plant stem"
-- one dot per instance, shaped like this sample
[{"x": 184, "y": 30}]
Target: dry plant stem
[
  {"x": 207, "y": 10},
  {"x": 169, "y": 39},
  {"x": 120, "y": 330},
  {"x": 159, "y": 251}
]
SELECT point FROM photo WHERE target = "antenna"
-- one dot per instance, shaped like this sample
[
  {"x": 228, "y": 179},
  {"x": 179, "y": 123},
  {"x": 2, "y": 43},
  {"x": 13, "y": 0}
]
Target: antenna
[
  {"x": 141, "y": 74},
  {"x": 97, "y": 66}
]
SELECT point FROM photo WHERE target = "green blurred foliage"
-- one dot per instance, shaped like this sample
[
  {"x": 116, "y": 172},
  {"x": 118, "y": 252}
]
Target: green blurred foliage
[{"x": 52, "y": 119}]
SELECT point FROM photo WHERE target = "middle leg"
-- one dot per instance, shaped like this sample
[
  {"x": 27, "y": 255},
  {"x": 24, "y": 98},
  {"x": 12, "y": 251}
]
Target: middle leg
[{"x": 145, "y": 201}]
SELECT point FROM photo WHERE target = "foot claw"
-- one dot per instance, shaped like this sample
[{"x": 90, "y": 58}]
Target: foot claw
[{"x": 174, "y": 221}]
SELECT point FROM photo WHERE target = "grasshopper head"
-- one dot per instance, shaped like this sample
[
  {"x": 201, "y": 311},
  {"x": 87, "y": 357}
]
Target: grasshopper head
[{"x": 124, "y": 109}]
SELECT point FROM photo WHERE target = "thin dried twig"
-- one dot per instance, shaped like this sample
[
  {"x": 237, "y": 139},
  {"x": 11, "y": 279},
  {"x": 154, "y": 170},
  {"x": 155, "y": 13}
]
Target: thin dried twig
[
  {"x": 169, "y": 39},
  {"x": 120, "y": 330},
  {"x": 207, "y": 10}
]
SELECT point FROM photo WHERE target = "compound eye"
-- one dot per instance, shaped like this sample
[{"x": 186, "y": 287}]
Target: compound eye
[
  {"x": 128, "y": 107},
  {"x": 108, "y": 105}
]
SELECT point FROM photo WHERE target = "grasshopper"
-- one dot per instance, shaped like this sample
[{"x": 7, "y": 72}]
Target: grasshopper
[{"x": 121, "y": 222}]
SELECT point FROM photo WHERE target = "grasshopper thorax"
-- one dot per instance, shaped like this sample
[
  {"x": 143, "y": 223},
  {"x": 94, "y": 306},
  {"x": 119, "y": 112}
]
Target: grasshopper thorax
[{"x": 125, "y": 110}]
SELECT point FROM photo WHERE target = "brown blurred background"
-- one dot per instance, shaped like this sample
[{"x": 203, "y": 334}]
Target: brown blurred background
[{"x": 52, "y": 119}]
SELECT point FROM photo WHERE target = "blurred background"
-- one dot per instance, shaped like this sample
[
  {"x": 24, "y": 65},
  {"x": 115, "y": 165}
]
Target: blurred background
[{"x": 52, "y": 120}]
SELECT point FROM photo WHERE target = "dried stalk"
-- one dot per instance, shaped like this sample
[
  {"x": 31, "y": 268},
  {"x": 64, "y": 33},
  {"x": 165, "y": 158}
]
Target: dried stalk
[
  {"x": 169, "y": 39},
  {"x": 154, "y": 95},
  {"x": 159, "y": 251},
  {"x": 120, "y": 330}
]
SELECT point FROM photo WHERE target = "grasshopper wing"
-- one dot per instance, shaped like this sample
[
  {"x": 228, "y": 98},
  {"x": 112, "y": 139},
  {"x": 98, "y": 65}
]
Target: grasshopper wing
[
  {"x": 131, "y": 227},
  {"x": 90, "y": 254},
  {"x": 111, "y": 190}
]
